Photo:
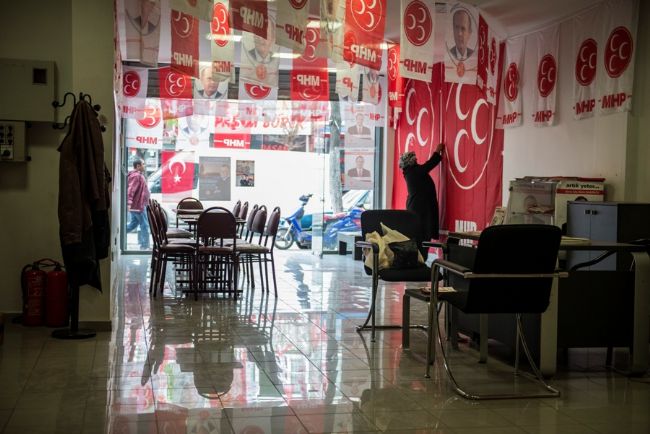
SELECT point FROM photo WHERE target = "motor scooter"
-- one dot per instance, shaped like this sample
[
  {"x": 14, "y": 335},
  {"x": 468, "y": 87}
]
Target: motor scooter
[{"x": 291, "y": 228}]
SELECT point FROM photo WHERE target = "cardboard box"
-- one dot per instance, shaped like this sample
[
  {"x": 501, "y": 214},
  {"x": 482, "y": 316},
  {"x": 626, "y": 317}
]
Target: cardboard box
[{"x": 576, "y": 189}]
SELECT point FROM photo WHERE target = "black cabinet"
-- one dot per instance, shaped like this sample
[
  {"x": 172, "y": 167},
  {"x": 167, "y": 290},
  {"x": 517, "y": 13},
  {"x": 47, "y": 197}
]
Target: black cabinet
[{"x": 607, "y": 221}]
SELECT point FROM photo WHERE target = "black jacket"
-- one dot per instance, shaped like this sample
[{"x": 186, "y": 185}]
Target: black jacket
[{"x": 422, "y": 198}]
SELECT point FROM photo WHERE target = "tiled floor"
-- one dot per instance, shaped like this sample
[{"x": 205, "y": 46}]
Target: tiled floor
[{"x": 288, "y": 365}]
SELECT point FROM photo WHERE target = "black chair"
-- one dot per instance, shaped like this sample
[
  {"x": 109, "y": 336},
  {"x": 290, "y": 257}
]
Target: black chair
[
  {"x": 407, "y": 223},
  {"x": 188, "y": 203},
  {"x": 513, "y": 272}
]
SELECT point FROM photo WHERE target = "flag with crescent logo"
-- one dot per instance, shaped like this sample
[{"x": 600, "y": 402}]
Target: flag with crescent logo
[
  {"x": 145, "y": 130},
  {"x": 546, "y": 76},
  {"x": 250, "y": 16},
  {"x": 134, "y": 91},
  {"x": 185, "y": 43},
  {"x": 461, "y": 43},
  {"x": 417, "y": 35},
  {"x": 365, "y": 22},
  {"x": 222, "y": 45},
  {"x": 177, "y": 177},
  {"x": 488, "y": 60},
  {"x": 140, "y": 26},
  {"x": 309, "y": 77},
  {"x": 332, "y": 20},
  {"x": 510, "y": 110},
  {"x": 259, "y": 62},
  {"x": 292, "y": 20},
  {"x": 372, "y": 89},
  {"x": 618, "y": 39},
  {"x": 395, "y": 83},
  {"x": 586, "y": 53},
  {"x": 200, "y": 9}
]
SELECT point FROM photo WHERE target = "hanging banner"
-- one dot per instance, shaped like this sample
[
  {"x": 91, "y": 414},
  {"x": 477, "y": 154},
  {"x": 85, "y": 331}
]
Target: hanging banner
[
  {"x": 185, "y": 43},
  {"x": 547, "y": 74},
  {"x": 194, "y": 132},
  {"x": 461, "y": 44},
  {"x": 250, "y": 16},
  {"x": 332, "y": 20},
  {"x": 292, "y": 20},
  {"x": 309, "y": 76},
  {"x": 365, "y": 22},
  {"x": 488, "y": 59},
  {"x": 371, "y": 89},
  {"x": 212, "y": 82},
  {"x": 176, "y": 108},
  {"x": 395, "y": 92},
  {"x": 347, "y": 81},
  {"x": 145, "y": 131},
  {"x": 510, "y": 112},
  {"x": 134, "y": 91},
  {"x": 174, "y": 84},
  {"x": 616, "y": 76},
  {"x": 141, "y": 29},
  {"x": 222, "y": 47},
  {"x": 256, "y": 92},
  {"x": 377, "y": 112},
  {"x": 585, "y": 34},
  {"x": 177, "y": 177},
  {"x": 232, "y": 141},
  {"x": 199, "y": 9},
  {"x": 417, "y": 39},
  {"x": 258, "y": 63}
]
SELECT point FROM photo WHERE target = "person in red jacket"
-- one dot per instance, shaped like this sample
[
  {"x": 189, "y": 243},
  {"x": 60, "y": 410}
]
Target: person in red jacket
[{"x": 137, "y": 199}]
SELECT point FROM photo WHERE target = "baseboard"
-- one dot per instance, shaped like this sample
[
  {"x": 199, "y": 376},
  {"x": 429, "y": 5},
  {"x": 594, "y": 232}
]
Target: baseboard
[{"x": 98, "y": 326}]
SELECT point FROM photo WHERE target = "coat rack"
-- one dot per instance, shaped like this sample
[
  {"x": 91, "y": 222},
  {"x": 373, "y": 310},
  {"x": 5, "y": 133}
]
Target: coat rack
[{"x": 82, "y": 97}]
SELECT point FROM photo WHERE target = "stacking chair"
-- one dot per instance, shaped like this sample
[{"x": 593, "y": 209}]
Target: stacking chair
[
  {"x": 243, "y": 213},
  {"x": 407, "y": 223},
  {"x": 216, "y": 252},
  {"x": 172, "y": 233},
  {"x": 187, "y": 203},
  {"x": 236, "y": 209},
  {"x": 513, "y": 272},
  {"x": 250, "y": 248}
]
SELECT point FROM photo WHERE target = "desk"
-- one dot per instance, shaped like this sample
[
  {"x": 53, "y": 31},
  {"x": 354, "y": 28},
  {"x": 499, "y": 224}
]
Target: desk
[{"x": 641, "y": 322}]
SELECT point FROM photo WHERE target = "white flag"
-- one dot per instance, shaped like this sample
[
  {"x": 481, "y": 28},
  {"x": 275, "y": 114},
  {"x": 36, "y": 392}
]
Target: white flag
[
  {"x": 488, "y": 60},
  {"x": 134, "y": 91},
  {"x": 292, "y": 20},
  {"x": 146, "y": 131},
  {"x": 546, "y": 77},
  {"x": 140, "y": 27},
  {"x": 332, "y": 23},
  {"x": 616, "y": 75},
  {"x": 586, "y": 27},
  {"x": 417, "y": 39},
  {"x": 347, "y": 81},
  {"x": 510, "y": 113},
  {"x": 461, "y": 44},
  {"x": 201, "y": 9}
]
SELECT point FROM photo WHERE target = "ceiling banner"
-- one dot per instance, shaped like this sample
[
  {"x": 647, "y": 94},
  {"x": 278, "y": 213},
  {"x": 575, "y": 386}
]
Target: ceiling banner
[
  {"x": 200, "y": 9},
  {"x": 140, "y": 27},
  {"x": 250, "y": 16},
  {"x": 185, "y": 43},
  {"x": 510, "y": 109},
  {"x": 222, "y": 46},
  {"x": 309, "y": 76},
  {"x": 332, "y": 21},
  {"x": 488, "y": 60},
  {"x": 417, "y": 39},
  {"x": 292, "y": 20},
  {"x": 365, "y": 22},
  {"x": 544, "y": 104},
  {"x": 461, "y": 44}
]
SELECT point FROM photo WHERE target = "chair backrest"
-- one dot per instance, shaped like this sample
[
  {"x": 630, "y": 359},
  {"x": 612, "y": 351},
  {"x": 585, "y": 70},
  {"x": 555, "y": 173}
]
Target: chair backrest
[
  {"x": 272, "y": 227},
  {"x": 405, "y": 222},
  {"x": 514, "y": 249},
  {"x": 236, "y": 208},
  {"x": 243, "y": 212},
  {"x": 248, "y": 227},
  {"x": 258, "y": 224},
  {"x": 216, "y": 223},
  {"x": 190, "y": 203}
]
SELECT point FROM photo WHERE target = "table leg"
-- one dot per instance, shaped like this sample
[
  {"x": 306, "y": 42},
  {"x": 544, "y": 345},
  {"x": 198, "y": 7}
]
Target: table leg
[
  {"x": 548, "y": 334},
  {"x": 641, "y": 313}
]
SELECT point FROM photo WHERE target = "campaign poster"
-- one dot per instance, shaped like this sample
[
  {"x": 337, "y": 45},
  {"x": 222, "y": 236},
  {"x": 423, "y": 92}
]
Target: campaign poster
[
  {"x": 214, "y": 178},
  {"x": 245, "y": 173}
]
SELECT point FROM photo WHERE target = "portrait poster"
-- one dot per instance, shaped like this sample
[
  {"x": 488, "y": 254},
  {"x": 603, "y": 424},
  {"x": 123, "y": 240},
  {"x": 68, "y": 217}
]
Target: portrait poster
[
  {"x": 214, "y": 178},
  {"x": 245, "y": 173},
  {"x": 358, "y": 166},
  {"x": 461, "y": 44}
]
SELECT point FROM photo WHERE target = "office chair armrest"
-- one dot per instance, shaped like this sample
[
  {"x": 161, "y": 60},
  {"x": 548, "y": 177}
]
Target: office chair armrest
[
  {"x": 558, "y": 274},
  {"x": 368, "y": 245},
  {"x": 452, "y": 266}
]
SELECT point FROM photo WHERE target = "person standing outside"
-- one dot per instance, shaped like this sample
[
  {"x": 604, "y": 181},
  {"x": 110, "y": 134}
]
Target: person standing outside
[
  {"x": 137, "y": 199},
  {"x": 422, "y": 198}
]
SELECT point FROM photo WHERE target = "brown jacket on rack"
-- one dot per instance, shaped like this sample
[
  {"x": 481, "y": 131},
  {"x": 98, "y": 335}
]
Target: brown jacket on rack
[{"x": 83, "y": 197}]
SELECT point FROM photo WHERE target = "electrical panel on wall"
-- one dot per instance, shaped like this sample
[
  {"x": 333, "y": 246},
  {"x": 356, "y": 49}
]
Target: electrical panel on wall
[
  {"x": 12, "y": 141},
  {"x": 27, "y": 90}
]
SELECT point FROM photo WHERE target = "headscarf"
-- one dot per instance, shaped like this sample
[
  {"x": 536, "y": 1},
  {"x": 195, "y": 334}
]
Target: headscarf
[{"x": 407, "y": 159}]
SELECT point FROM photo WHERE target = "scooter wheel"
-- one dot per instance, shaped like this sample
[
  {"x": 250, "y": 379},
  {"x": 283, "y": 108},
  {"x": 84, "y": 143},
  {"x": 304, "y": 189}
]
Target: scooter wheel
[{"x": 284, "y": 239}]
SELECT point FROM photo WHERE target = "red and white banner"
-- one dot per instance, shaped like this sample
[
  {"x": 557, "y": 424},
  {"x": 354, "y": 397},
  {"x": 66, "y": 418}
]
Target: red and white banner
[
  {"x": 365, "y": 21},
  {"x": 488, "y": 60},
  {"x": 257, "y": 62},
  {"x": 291, "y": 26},
  {"x": 222, "y": 47},
  {"x": 185, "y": 43},
  {"x": 616, "y": 77},
  {"x": 177, "y": 177},
  {"x": 347, "y": 81},
  {"x": 510, "y": 111},
  {"x": 134, "y": 91},
  {"x": 146, "y": 131},
  {"x": 372, "y": 87},
  {"x": 173, "y": 108},
  {"x": 461, "y": 42},
  {"x": 232, "y": 141},
  {"x": 332, "y": 26},
  {"x": 213, "y": 78},
  {"x": 309, "y": 76},
  {"x": 377, "y": 108},
  {"x": 199, "y": 9},
  {"x": 194, "y": 132},
  {"x": 250, "y": 16},
  {"x": 140, "y": 27},
  {"x": 469, "y": 177},
  {"x": 417, "y": 39},
  {"x": 395, "y": 82},
  {"x": 174, "y": 84},
  {"x": 586, "y": 28},
  {"x": 547, "y": 75}
]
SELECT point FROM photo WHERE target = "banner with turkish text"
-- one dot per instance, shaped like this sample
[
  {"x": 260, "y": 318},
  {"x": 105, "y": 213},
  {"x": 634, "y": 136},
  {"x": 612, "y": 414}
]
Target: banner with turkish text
[
  {"x": 618, "y": 39},
  {"x": 488, "y": 60},
  {"x": 332, "y": 27},
  {"x": 146, "y": 130},
  {"x": 417, "y": 39},
  {"x": 134, "y": 91},
  {"x": 200, "y": 9},
  {"x": 185, "y": 43},
  {"x": 232, "y": 141},
  {"x": 223, "y": 46},
  {"x": 347, "y": 81},
  {"x": 140, "y": 26},
  {"x": 309, "y": 76},
  {"x": 365, "y": 22},
  {"x": 461, "y": 43},
  {"x": 292, "y": 20},
  {"x": 547, "y": 75},
  {"x": 177, "y": 177},
  {"x": 510, "y": 110},
  {"x": 250, "y": 16}
]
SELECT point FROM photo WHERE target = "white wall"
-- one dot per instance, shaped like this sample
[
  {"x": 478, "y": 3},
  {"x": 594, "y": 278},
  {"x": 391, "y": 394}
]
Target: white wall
[{"x": 593, "y": 147}]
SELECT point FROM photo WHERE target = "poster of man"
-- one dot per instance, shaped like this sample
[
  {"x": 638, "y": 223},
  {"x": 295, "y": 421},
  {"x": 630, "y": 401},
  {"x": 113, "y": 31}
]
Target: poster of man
[
  {"x": 258, "y": 63},
  {"x": 461, "y": 41},
  {"x": 359, "y": 132},
  {"x": 358, "y": 166},
  {"x": 206, "y": 87},
  {"x": 193, "y": 132},
  {"x": 214, "y": 178},
  {"x": 245, "y": 173}
]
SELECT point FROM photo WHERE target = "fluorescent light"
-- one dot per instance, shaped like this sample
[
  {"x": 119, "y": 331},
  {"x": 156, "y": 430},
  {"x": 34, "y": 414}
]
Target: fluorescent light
[
  {"x": 314, "y": 24},
  {"x": 285, "y": 55},
  {"x": 235, "y": 38}
]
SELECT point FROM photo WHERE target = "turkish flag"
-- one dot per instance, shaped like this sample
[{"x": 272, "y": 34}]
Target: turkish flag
[{"x": 177, "y": 179}]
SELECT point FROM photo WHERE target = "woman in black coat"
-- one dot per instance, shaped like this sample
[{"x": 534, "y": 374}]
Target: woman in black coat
[{"x": 422, "y": 198}]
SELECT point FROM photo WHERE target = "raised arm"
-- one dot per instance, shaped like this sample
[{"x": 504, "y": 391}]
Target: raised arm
[{"x": 435, "y": 158}]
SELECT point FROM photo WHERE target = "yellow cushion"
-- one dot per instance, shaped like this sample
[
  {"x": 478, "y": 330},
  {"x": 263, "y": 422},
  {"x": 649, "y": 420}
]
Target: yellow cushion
[
  {"x": 390, "y": 236},
  {"x": 384, "y": 261}
]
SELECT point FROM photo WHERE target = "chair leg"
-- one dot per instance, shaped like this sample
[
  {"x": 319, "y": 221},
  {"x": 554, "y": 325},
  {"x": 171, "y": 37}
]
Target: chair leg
[
  {"x": 152, "y": 274},
  {"x": 275, "y": 283},
  {"x": 432, "y": 330},
  {"x": 406, "y": 321},
  {"x": 483, "y": 343}
]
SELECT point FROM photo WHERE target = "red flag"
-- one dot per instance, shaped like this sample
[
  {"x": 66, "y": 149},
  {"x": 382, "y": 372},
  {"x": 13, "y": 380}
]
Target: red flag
[
  {"x": 177, "y": 173},
  {"x": 395, "y": 83},
  {"x": 309, "y": 77},
  {"x": 174, "y": 84},
  {"x": 250, "y": 16},
  {"x": 185, "y": 43},
  {"x": 364, "y": 32}
]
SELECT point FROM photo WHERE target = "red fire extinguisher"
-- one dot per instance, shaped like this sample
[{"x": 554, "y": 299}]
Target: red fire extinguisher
[
  {"x": 45, "y": 295},
  {"x": 33, "y": 282},
  {"x": 56, "y": 297}
]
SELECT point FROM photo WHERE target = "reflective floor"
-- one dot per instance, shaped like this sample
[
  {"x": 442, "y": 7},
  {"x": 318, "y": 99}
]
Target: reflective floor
[{"x": 294, "y": 364}]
